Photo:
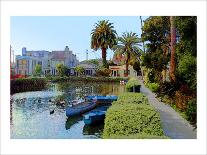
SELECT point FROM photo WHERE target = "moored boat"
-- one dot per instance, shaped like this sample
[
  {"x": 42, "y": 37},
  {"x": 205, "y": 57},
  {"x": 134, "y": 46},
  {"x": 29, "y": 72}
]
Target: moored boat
[
  {"x": 80, "y": 109},
  {"x": 102, "y": 99},
  {"x": 95, "y": 116}
]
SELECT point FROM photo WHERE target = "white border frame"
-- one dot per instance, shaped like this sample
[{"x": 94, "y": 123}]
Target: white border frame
[{"x": 106, "y": 8}]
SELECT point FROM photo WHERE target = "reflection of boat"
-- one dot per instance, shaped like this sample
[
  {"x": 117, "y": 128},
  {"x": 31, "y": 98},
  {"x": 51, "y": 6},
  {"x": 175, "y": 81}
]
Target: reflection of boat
[
  {"x": 95, "y": 116},
  {"x": 102, "y": 99},
  {"x": 72, "y": 120},
  {"x": 80, "y": 109}
]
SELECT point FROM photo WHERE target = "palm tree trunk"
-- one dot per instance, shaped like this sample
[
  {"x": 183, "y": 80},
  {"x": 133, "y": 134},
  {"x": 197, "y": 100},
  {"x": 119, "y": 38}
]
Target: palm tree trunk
[
  {"x": 173, "y": 42},
  {"x": 104, "y": 58},
  {"x": 142, "y": 33},
  {"x": 127, "y": 64}
]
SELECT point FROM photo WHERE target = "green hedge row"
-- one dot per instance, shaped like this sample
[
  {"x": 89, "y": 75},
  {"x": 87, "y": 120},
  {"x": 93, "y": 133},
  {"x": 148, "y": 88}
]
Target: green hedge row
[
  {"x": 131, "y": 116},
  {"x": 153, "y": 86},
  {"x": 85, "y": 79},
  {"x": 129, "y": 97},
  {"x": 138, "y": 136},
  {"x": 133, "y": 85},
  {"x": 27, "y": 84}
]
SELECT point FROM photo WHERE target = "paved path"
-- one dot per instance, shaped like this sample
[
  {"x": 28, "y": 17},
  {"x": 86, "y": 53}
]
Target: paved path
[{"x": 173, "y": 124}]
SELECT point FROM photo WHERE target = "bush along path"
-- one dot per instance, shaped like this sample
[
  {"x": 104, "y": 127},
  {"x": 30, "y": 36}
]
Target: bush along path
[
  {"x": 132, "y": 117},
  {"x": 173, "y": 124}
]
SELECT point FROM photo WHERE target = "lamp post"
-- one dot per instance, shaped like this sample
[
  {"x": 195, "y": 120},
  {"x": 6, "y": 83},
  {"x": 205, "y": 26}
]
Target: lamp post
[{"x": 86, "y": 54}]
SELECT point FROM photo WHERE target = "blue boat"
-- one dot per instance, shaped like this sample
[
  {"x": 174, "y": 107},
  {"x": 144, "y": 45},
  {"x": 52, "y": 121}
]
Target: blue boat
[
  {"x": 102, "y": 99},
  {"x": 95, "y": 116},
  {"x": 80, "y": 109}
]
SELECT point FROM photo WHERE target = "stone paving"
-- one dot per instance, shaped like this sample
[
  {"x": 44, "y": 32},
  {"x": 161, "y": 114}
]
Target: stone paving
[{"x": 173, "y": 124}]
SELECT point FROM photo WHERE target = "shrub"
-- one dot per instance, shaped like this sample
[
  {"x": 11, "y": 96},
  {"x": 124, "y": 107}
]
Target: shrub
[
  {"x": 27, "y": 84},
  {"x": 167, "y": 88},
  {"x": 182, "y": 99},
  {"x": 129, "y": 97},
  {"x": 187, "y": 69},
  {"x": 103, "y": 72},
  {"x": 133, "y": 83},
  {"x": 86, "y": 79},
  {"x": 138, "y": 136},
  {"x": 154, "y": 87},
  {"x": 129, "y": 119},
  {"x": 131, "y": 116},
  {"x": 191, "y": 111}
]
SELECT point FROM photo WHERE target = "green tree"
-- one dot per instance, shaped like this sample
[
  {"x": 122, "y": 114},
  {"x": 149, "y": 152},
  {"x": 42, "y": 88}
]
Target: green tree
[
  {"x": 156, "y": 33},
  {"x": 128, "y": 45},
  {"x": 79, "y": 69},
  {"x": 103, "y": 36},
  {"x": 93, "y": 61},
  {"x": 38, "y": 70},
  {"x": 61, "y": 69},
  {"x": 186, "y": 50}
]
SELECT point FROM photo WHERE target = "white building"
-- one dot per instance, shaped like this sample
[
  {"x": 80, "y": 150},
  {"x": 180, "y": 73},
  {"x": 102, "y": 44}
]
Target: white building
[{"x": 25, "y": 64}]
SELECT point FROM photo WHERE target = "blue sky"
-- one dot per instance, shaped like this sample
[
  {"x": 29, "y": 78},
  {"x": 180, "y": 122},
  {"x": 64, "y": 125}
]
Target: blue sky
[{"x": 56, "y": 32}]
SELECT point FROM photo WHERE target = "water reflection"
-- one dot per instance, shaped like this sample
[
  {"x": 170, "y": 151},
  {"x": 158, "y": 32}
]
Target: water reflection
[
  {"x": 96, "y": 130},
  {"x": 71, "y": 121},
  {"x": 41, "y": 114}
]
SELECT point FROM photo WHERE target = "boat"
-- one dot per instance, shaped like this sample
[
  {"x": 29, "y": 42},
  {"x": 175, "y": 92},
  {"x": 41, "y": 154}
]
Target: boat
[
  {"x": 95, "y": 116},
  {"x": 80, "y": 109},
  {"x": 102, "y": 99}
]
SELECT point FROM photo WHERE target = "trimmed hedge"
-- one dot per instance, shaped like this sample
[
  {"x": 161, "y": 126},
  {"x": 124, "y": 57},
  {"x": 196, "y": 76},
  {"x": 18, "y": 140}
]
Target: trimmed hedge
[
  {"x": 138, "y": 136},
  {"x": 129, "y": 97},
  {"x": 27, "y": 84},
  {"x": 132, "y": 118},
  {"x": 133, "y": 85},
  {"x": 86, "y": 79}
]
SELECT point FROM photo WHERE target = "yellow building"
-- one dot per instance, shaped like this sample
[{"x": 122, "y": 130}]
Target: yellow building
[{"x": 120, "y": 71}]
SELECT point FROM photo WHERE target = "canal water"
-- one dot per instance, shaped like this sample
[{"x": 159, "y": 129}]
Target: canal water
[{"x": 32, "y": 117}]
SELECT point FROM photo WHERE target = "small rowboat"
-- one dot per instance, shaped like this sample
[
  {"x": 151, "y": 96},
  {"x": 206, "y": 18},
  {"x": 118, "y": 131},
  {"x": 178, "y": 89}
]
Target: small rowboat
[
  {"x": 95, "y": 116},
  {"x": 80, "y": 109},
  {"x": 102, "y": 99}
]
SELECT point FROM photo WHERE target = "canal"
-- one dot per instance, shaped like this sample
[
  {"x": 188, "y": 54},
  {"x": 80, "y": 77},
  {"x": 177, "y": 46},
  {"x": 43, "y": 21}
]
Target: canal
[{"x": 31, "y": 117}]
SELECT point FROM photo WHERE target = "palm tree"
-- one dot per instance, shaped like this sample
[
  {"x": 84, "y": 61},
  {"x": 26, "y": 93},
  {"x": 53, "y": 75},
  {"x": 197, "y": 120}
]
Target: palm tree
[
  {"x": 103, "y": 37},
  {"x": 128, "y": 45},
  {"x": 173, "y": 42}
]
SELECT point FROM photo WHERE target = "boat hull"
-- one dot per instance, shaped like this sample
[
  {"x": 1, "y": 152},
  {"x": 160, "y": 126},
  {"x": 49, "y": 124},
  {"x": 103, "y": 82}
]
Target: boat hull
[
  {"x": 78, "y": 110},
  {"x": 102, "y": 99},
  {"x": 94, "y": 117}
]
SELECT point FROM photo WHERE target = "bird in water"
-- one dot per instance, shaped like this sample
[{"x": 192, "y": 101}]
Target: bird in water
[
  {"x": 39, "y": 100},
  {"x": 52, "y": 112}
]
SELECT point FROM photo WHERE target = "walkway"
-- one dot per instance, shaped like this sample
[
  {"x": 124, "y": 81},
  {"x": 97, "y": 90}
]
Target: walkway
[{"x": 173, "y": 124}]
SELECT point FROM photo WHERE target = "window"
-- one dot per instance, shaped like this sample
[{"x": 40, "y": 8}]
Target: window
[
  {"x": 24, "y": 62},
  {"x": 40, "y": 63}
]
